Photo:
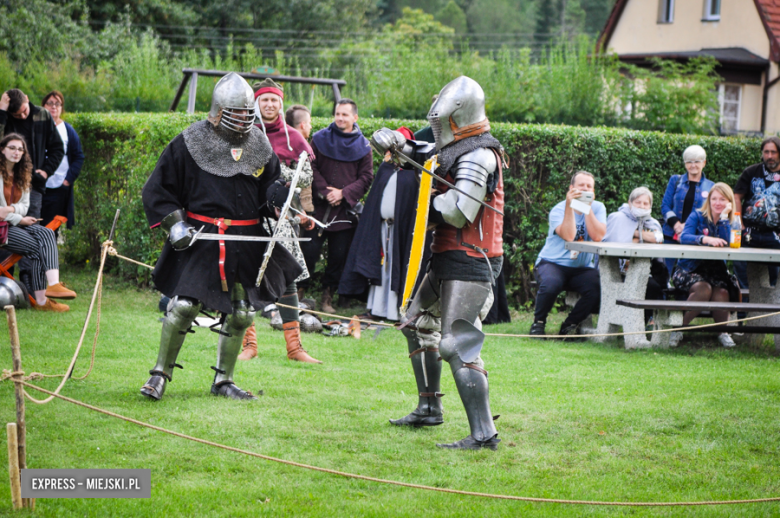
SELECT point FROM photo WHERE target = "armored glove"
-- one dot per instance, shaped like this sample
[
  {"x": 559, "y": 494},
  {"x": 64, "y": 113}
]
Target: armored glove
[
  {"x": 385, "y": 139},
  {"x": 277, "y": 194},
  {"x": 179, "y": 231}
]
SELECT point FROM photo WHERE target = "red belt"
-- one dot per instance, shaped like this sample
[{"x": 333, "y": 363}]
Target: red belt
[{"x": 222, "y": 224}]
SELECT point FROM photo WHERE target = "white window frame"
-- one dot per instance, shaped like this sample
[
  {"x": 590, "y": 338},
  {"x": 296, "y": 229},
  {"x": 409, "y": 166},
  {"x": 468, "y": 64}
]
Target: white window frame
[
  {"x": 665, "y": 11},
  {"x": 709, "y": 6},
  {"x": 721, "y": 100}
]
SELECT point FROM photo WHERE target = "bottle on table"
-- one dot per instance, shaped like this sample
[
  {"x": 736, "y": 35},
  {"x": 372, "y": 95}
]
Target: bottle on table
[{"x": 736, "y": 231}]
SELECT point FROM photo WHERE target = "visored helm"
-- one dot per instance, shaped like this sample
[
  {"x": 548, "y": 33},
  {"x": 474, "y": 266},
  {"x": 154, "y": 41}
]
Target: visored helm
[
  {"x": 11, "y": 294},
  {"x": 458, "y": 112},
  {"x": 233, "y": 104}
]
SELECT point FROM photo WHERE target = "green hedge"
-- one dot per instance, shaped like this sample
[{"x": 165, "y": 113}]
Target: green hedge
[{"x": 122, "y": 149}]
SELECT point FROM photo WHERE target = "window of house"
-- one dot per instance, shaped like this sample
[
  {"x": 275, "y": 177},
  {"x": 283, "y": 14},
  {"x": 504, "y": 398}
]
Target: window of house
[
  {"x": 730, "y": 97},
  {"x": 665, "y": 11},
  {"x": 711, "y": 10}
]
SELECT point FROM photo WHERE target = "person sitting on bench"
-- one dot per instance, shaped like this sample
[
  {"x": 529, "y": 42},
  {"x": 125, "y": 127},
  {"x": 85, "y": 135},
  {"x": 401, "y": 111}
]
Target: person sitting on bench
[
  {"x": 632, "y": 224},
  {"x": 708, "y": 280},
  {"x": 25, "y": 238},
  {"x": 558, "y": 269}
]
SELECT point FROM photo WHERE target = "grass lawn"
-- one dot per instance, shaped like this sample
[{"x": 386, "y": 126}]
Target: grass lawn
[{"x": 578, "y": 421}]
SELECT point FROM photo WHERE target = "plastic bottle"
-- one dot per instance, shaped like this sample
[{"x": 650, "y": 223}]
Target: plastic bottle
[{"x": 736, "y": 231}]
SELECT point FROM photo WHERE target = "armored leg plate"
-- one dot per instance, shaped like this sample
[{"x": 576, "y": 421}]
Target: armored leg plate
[
  {"x": 178, "y": 319},
  {"x": 427, "y": 373},
  {"x": 472, "y": 386},
  {"x": 232, "y": 336}
]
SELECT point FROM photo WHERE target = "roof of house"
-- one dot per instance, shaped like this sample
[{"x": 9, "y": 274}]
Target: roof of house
[
  {"x": 769, "y": 10},
  {"x": 731, "y": 56}
]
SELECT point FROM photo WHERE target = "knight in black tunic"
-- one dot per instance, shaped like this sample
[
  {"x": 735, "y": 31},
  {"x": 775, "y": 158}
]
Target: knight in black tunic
[{"x": 217, "y": 174}]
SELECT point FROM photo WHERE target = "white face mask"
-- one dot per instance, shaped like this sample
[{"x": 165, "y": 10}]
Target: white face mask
[{"x": 640, "y": 213}]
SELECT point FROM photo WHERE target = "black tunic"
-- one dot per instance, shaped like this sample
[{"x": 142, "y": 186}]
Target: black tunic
[{"x": 178, "y": 182}]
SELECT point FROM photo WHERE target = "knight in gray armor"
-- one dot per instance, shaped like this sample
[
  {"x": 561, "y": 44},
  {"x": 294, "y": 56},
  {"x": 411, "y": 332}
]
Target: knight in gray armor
[
  {"x": 219, "y": 175},
  {"x": 443, "y": 321}
]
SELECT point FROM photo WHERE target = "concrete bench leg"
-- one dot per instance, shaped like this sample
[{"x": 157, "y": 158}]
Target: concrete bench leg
[{"x": 664, "y": 320}]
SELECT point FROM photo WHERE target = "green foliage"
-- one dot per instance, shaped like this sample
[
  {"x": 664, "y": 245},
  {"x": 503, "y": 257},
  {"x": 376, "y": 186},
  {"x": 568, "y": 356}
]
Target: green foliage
[
  {"x": 453, "y": 16},
  {"x": 122, "y": 150}
]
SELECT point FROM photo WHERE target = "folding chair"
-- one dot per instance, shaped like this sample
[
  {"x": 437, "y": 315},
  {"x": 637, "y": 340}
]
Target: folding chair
[{"x": 10, "y": 261}]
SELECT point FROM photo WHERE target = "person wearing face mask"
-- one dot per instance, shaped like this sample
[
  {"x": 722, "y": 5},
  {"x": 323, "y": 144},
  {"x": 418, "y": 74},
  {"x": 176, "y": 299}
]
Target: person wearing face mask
[
  {"x": 558, "y": 269},
  {"x": 684, "y": 194},
  {"x": 708, "y": 280},
  {"x": 632, "y": 223}
]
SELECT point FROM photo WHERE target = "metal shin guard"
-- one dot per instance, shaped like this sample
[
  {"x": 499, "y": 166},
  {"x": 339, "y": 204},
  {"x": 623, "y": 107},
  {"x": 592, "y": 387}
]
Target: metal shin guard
[
  {"x": 178, "y": 319},
  {"x": 472, "y": 384},
  {"x": 231, "y": 336},
  {"x": 427, "y": 373}
]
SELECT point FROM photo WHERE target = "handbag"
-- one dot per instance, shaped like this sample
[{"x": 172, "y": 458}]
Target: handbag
[{"x": 4, "y": 224}]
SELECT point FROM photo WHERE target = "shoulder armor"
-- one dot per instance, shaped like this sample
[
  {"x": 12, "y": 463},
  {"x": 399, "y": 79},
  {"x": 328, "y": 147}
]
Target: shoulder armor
[{"x": 476, "y": 166}]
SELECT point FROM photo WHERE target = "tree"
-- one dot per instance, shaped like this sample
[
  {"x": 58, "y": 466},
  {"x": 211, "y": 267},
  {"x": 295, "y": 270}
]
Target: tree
[{"x": 453, "y": 16}]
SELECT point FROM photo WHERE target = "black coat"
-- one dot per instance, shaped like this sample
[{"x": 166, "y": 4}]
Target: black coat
[
  {"x": 177, "y": 182},
  {"x": 364, "y": 262}
]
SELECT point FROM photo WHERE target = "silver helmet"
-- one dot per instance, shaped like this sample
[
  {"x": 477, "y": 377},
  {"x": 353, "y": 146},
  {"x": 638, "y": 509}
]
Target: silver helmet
[
  {"x": 233, "y": 104},
  {"x": 11, "y": 294},
  {"x": 460, "y": 103}
]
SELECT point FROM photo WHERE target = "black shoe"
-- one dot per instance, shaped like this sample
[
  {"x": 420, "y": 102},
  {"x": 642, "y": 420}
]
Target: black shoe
[
  {"x": 229, "y": 389},
  {"x": 470, "y": 443},
  {"x": 537, "y": 329},
  {"x": 417, "y": 420},
  {"x": 571, "y": 329},
  {"x": 155, "y": 387}
]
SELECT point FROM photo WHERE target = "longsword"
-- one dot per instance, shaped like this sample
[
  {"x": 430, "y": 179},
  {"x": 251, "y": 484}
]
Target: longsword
[
  {"x": 442, "y": 180},
  {"x": 207, "y": 236}
]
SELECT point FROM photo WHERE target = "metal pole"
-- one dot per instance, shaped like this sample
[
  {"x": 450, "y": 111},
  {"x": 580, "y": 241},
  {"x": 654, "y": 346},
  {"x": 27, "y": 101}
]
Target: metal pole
[
  {"x": 16, "y": 357},
  {"x": 13, "y": 466},
  {"x": 193, "y": 91}
]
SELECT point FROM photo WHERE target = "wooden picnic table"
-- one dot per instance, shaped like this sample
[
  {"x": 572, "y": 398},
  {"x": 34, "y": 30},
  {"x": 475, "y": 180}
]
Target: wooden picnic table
[{"x": 613, "y": 317}]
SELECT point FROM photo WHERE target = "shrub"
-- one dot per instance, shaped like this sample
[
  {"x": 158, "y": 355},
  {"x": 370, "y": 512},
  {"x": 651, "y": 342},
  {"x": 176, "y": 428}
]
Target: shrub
[{"x": 122, "y": 150}]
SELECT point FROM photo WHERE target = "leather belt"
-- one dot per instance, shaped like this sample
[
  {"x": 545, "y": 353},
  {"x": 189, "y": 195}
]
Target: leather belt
[{"x": 222, "y": 224}]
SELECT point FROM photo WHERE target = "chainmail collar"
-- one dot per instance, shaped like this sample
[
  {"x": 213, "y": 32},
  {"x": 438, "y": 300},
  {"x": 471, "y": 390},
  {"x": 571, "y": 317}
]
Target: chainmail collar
[
  {"x": 451, "y": 153},
  {"x": 213, "y": 149}
]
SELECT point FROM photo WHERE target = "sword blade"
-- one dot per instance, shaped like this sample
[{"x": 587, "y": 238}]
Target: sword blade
[
  {"x": 445, "y": 182},
  {"x": 232, "y": 237}
]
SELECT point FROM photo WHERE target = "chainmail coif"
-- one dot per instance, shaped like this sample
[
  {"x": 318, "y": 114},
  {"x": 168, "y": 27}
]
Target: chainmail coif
[{"x": 211, "y": 149}]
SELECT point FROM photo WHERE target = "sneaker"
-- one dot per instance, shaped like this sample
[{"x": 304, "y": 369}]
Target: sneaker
[
  {"x": 59, "y": 291},
  {"x": 571, "y": 329},
  {"x": 725, "y": 340},
  {"x": 51, "y": 305},
  {"x": 537, "y": 329},
  {"x": 674, "y": 338}
]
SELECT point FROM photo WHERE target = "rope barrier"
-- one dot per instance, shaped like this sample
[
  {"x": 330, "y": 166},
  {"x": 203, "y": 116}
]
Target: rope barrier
[
  {"x": 114, "y": 253},
  {"x": 392, "y": 482}
]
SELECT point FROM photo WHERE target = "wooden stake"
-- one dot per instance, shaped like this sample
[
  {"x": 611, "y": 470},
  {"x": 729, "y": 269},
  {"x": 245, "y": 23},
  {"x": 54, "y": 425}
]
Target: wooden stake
[
  {"x": 13, "y": 466},
  {"x": 21, "y": 426}
]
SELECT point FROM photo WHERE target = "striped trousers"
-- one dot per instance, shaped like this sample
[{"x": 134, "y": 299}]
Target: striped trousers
[{"x": 39, "y": 246}]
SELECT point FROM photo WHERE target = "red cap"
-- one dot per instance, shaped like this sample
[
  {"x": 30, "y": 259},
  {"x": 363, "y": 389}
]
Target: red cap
[{"x": 269, "y": 90}]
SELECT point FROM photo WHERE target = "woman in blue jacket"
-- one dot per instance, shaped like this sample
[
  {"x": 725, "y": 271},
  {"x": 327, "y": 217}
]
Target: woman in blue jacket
[
  {"x": 58, "y": 200},
  {"x": 708, "y": 280},
  {"x": 684, "y": 194}
]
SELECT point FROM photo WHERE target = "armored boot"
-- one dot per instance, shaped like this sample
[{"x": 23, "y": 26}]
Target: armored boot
[
  {"x": 178, "y": 319},
  {"x": 295, "y": 351},
  {"x": 249, "y": 346},
  {"x": 231, "y": 337},
  {"x": 427, "y": 374},
  {"x": 472, "y": 384}
]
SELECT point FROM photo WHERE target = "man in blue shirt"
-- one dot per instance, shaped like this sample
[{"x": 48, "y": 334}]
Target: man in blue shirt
[{"x": 559, "y": 269}]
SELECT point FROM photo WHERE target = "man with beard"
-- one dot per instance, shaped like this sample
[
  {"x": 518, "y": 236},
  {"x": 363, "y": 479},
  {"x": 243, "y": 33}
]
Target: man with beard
[
  {"x": 443, "y": 320},
  {"x": 288, "y": 145},
  {"x": 755, "y": 184},
  {"x": 220, "y": 175}
]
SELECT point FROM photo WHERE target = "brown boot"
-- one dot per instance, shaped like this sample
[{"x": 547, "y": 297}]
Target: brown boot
[
  {"x": 327, "y": 302},
  {"x": 250, "y": 344},
  {"x": 295, "y": 351}
]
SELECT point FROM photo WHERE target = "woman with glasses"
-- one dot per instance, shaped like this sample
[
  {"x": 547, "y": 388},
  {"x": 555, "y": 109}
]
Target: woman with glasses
[
  {"x": 58, "y": 200},
  {"x": 684, "y": 194},
  {"x": 35, "y": 242}
]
